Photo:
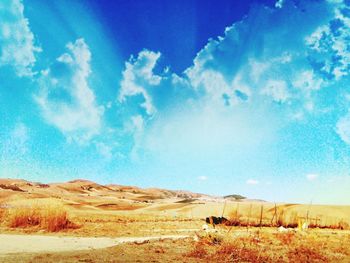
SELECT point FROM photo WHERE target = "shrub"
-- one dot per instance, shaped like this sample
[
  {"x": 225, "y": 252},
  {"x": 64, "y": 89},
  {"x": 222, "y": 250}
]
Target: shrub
[
  {"x": 214, "y": 239},
  {"x": 51, "y": 217},
  {"x": 286, "y": 238},
  {"x": 24, "y": 217},
  {"x": 234, "y": 218},
  {"x": 281, "y": 221},
  {"x": 55, "y": 219},
  {"x": 198, "y": 251},
  {"x": 307, "y": 254},
  {"x": 2, "y": 214},
  {"x": 240, "y": 250}
]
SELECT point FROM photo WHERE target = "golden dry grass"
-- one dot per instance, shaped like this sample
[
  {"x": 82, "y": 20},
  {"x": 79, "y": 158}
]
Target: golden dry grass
[
  {"x": 46, "y": 214},
  {"x": 282, "y": 216},
  {"x": 273, "y": 247}
]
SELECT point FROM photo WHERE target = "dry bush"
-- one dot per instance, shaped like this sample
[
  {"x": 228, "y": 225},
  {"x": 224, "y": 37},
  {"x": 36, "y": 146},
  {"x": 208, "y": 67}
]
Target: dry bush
[
  {"x": 224, "y": 249},
  {"x": 55, "y": 218},
  {"x": 234, "y": 218},
  {"x": 343, "y": 225},
  {"x": 272, "y": 247},
  {"x": 214, "y": 239},
  {"x": 205, "y": 243},
  {"x": 281, "y": 216},
  {"x": 51, "y": 217},
  {"x": 2, "y": 214},
  {"x": 307, "y": 254},
  {"x": 281, "y": 220},
  {"x": 198, "y": 251},
  {"x": 236, "y": 252},
  {"x": 286, "y": 238},
  {"x": 292, "y": 221},
  {"x": 24, "y": 217}
]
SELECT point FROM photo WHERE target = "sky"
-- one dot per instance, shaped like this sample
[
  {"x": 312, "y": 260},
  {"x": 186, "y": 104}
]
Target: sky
[{"x": 217, "y": 97}]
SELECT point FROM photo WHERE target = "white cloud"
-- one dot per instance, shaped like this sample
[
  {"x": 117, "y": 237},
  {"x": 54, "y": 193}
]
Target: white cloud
[
  {"x": 19, "y": 138},
  {"x": 312, "y": 177},
  {"x": 252, "y": 182},
  {"x": 257, "y": 69},
  {"x": 65, "y": 98},
  {"x": 138, "y": 123},
  {"x": 138, "y": 76},
  {"x": 233, "y": 79},
  {"x": 202, "y": 178},
  {"x": 307, "y": 81},
  {"x": 109, "y": 105},
  {"x": 17, "y": 46},
  {"x": 329, "y": 45},
  {"x": 202, "y": 128},
  {"x": 16, "y": 143},
  {"x": 279, "y": 3},
  {"x": 228, "y": 78},
  {"x": 277, "y": 89},
  {"x": 343, "y": 128},
  {"x": 137, "y": 128},
  {"x": 104, "y": 150}
]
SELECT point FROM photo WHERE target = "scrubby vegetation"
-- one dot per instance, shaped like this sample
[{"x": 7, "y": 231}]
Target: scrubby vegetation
[
  {"x": 49, "y": 216},
  {"x": 268, "y": 247},
  {"x": 277, "y": 217}
]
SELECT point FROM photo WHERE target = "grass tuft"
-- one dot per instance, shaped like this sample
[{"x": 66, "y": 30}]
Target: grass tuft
[{"x": 51, "y": 217}]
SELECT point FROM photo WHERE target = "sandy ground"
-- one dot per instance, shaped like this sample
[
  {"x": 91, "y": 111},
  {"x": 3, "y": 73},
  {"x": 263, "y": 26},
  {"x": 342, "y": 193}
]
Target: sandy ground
[
  {"x": 128, "y": 224},
  {"x": 35, "y": 243}
]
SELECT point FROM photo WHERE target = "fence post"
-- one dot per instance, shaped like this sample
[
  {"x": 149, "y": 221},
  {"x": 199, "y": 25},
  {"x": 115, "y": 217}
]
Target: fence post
[
  {"x": 250, "y": 213},
  {"x": 261, "y": 214},
  {"x": 274, "y": 215}
]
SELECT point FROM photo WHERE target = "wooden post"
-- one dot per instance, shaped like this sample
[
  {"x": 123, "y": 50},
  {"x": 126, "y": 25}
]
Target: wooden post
[
  {"x": 223, "y": 210},
  {"x": 261, "y": 214},
  {"x": 250, "y": 213},
  {"x": 317, "y": 219},
  {"x": 307, "y": 213},
  {"x": 274, "y": 215}
]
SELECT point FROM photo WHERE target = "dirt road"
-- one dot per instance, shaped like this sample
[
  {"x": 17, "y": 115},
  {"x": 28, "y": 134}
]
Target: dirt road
[{"x": 35, "y": 243}]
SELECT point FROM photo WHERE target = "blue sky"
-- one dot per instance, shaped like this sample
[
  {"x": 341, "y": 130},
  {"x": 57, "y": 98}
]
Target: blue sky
[{"x": 218, "y": 97}]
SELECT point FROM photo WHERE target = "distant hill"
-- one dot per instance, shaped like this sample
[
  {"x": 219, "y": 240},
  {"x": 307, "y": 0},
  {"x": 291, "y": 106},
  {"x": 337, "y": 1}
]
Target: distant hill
[
  {"x": 76, "y": 191},
  {"x": 235, "y": 197},
  {"x": 81, "y": 193}
]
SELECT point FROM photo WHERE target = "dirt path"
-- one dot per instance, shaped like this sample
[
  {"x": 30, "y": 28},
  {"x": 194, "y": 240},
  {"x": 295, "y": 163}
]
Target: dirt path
[{"x": 36, "y": 243}]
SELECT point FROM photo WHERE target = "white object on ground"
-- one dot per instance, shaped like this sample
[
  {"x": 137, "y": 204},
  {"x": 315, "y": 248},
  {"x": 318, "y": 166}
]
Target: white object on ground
[
  {"x": 282, "y": 229},
  {"x": 305, "y": 226}
]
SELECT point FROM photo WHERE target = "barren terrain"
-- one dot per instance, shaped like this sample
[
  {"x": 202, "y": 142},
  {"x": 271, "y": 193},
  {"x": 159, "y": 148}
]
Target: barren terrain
[{"x": 82, "y": 221}]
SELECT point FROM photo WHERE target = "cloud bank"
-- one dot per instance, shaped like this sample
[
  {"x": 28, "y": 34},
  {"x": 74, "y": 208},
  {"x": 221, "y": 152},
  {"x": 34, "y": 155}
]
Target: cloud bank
[
  {"x": 17, "y": 47},
  {"x": 65, "y": 98}
]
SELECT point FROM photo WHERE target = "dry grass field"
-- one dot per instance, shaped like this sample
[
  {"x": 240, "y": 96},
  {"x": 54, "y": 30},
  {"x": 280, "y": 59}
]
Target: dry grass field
[{"x": 257, "y": 231}]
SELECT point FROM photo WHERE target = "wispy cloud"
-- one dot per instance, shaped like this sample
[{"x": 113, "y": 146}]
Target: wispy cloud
[
  {"x": 66, "y": 99},
  {"x": 343, "y": 128},
  {"x": 277, "y": 89},
  {"x": 252, "y": 182},
  {"x": 329, "y": 44},
  {"x": 138, "y": 77},
  {"x": 105, "y": 150},
  {"x": 312, "y": 177},
  {"x": 16, "y": 143},
  {"x": 279, "y": 3},
  {"x": 202, "y": 178},
  {"x": 17, "y": 47}
]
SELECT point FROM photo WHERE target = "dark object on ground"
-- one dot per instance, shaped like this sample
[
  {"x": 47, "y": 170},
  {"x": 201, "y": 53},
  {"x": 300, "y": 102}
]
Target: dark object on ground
[{"x": 213, "y": 220}]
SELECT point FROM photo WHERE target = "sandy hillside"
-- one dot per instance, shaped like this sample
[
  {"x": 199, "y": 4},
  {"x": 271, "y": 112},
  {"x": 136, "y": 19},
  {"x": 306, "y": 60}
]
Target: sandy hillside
[
  {"x": 82, "y": 196},
  {"x": 83, "y": 220}
]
